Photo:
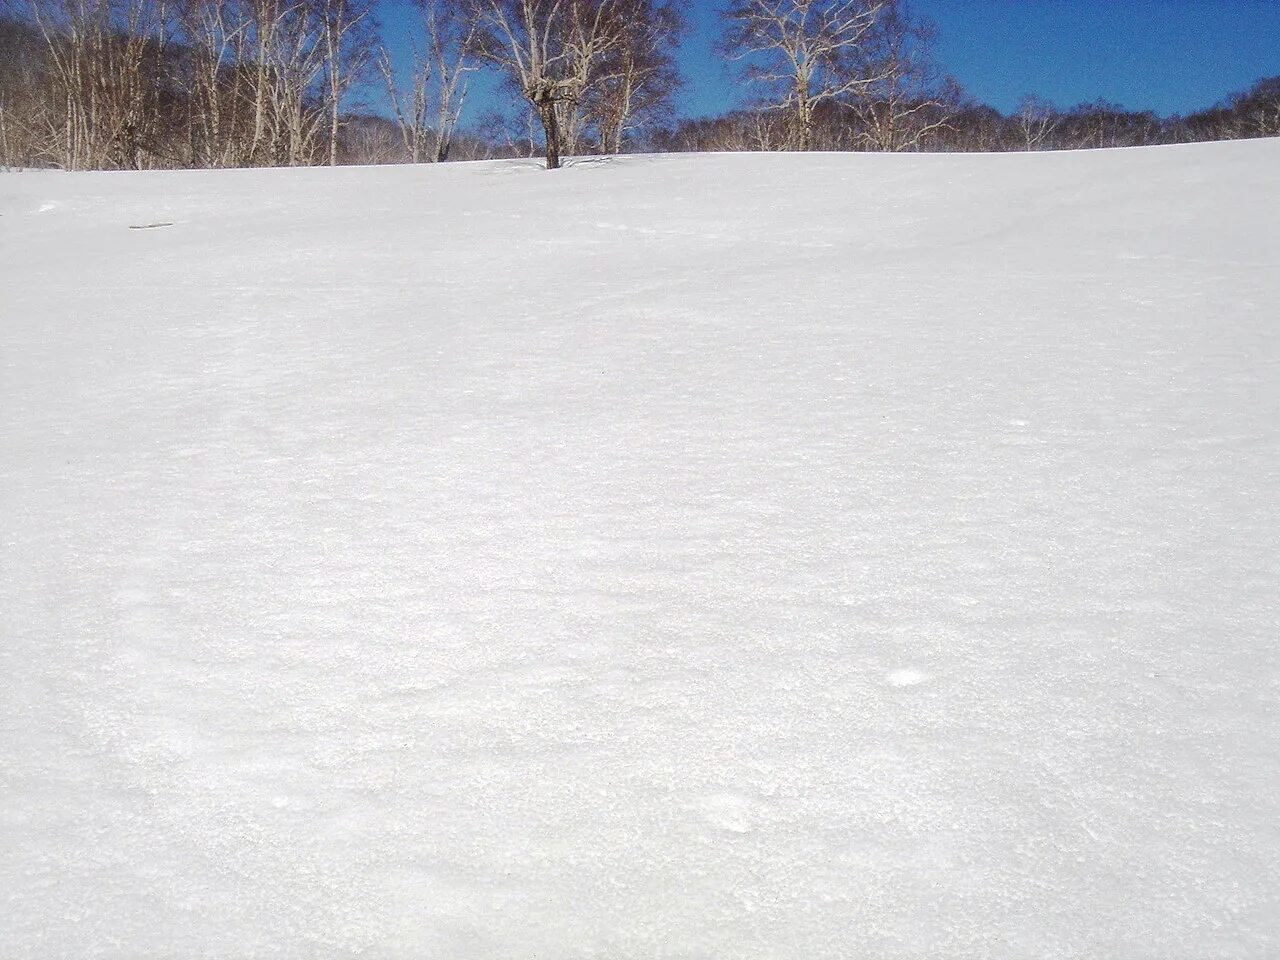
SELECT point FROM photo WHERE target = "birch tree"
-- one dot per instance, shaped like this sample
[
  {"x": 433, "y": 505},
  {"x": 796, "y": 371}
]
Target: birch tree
[
  {"x": 639, "y": 77},
  {"x": 103, "y": 61},
  {"x": 1036, "y": 120},
  {"x": 429, "y": 114},
  {"x": 25, "y": 106},
  {"x": 292, "y": 60},
  {"x": 217, "y": 34},
  {"x": 551, "y": 51},
  {"x": 808, "y": 52},
  {"x": 347, "y": 51},
  {"x": 905, "y": 104},
  {"x": 260, "y": 85}
]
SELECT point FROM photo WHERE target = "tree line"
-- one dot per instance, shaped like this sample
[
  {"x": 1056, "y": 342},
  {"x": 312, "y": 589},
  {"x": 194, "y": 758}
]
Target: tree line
[
  {"x": 141, "y": 84},
  {"x": 960, "y": 125}
]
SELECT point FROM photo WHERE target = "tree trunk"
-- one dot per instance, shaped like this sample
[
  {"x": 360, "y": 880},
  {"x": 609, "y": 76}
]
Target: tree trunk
[
  {"x": 802, "y": 136},
  {"x": 333, "y": 132},
  {"x": 551, "y": 130},
  {"x": 333, "y": 44},
  {"x": 805, "y": 138}
]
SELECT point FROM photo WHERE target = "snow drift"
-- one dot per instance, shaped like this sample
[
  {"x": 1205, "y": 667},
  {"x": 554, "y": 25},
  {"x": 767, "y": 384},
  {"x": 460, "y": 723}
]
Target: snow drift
[{"x": 706, "y": 556}]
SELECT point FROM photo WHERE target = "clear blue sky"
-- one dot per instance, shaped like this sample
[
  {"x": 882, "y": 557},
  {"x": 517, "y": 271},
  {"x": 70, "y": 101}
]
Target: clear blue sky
[{"x": 1170, "y": 56}]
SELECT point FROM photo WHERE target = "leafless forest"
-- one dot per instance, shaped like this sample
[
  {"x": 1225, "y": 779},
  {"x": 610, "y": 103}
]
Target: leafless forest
[{"x": 145, "y": 84}]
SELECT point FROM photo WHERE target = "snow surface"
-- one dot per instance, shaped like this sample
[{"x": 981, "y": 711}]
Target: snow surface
[{"x": 694, "y": 557}]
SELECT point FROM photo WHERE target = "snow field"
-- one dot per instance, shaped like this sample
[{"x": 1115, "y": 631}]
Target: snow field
[{"x": 747, "y": 556}]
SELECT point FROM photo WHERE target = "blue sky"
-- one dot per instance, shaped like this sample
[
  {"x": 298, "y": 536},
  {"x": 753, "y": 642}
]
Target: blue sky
[{"x": 1170, "y": 56}]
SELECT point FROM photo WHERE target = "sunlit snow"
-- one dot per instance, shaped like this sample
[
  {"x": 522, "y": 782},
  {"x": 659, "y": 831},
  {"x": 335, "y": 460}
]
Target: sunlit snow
[{"x": 744, "y": 556}]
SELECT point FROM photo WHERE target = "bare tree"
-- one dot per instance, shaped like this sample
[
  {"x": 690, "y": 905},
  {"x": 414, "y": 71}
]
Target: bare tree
[
  {"x": 103, "y": 67},
  {"x": 755, "y": 130},
  {"x": 1257, "y": 111},
  {"x": 24, "y": 100},
  {"x": 810, "y": 52},
  {"x": 410, "y": 111},
  {"x": 906, "y": 103},
  {"x": 438, "y": 81},
  {"x": 1100, "y": 125},
  {"x": 293, "y": 57},
  {"x": 347, "y": 50},
  {"x": 369, "y": 139},
  {"x": 550, "y": 49},
  {"x": 452, "y": 46},
  {"x": 217, "y": 34},
  {"x": 260, "y": 87},
  {"x": 1036, "y": 120},
  {"x": 638, "y": 78}
]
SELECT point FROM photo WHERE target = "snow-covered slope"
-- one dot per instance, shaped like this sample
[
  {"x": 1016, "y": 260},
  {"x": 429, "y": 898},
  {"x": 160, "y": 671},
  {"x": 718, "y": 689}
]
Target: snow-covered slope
[{"x": 701, "y": 557}]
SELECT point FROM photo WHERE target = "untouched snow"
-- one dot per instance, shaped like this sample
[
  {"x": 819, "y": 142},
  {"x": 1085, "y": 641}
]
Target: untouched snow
[{"x": 695, "y": 557}]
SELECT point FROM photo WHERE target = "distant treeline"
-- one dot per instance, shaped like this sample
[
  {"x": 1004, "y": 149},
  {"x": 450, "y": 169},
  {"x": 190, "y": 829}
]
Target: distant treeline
[
  {"x": 964, "y": 126},
  {"x": 145, "y": 84}
]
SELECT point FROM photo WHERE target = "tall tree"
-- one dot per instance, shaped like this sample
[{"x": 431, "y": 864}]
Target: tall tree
[
  {"x": 103, "y": 59},
  {"x": 348, "y": 48},
  {"x": 639, "y": 77},
  {"x": 808, "y": 52},
  {"x": 438, "y": 81},
  {"x": 215, "y": 88},
  {"x": 906, "y": 103},
  {"x": 291, "y": 65},
  {"x": 25, "y": 104},
  {"x": 551, "y": 50}
]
